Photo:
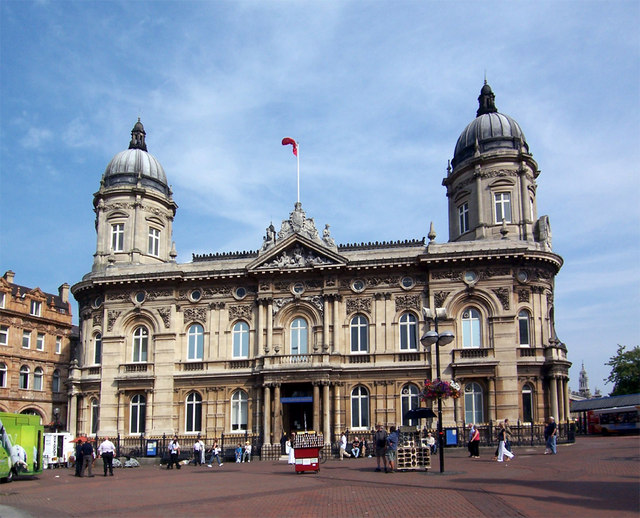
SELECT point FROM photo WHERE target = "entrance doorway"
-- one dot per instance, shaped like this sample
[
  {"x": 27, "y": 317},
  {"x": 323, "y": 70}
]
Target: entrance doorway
[{"x": 297, "y": 407}]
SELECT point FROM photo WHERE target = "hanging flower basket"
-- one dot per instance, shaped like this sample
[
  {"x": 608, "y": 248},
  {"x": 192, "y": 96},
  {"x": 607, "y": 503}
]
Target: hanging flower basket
[{"x": 434, "y": 389}]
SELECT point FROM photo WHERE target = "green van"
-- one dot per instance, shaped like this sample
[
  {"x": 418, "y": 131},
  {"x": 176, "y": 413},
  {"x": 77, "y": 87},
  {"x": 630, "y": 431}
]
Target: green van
[{"x": 21, "y": 437}]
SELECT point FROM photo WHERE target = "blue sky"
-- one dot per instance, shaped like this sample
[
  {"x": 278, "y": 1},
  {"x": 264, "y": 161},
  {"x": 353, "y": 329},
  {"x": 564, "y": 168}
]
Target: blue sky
[{"x": 376, "y": 92}]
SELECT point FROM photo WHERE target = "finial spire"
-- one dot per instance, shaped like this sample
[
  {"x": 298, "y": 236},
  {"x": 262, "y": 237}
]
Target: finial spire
[
  {"x": 137, "y": 137},
  {"x": 486, "y": 100}
]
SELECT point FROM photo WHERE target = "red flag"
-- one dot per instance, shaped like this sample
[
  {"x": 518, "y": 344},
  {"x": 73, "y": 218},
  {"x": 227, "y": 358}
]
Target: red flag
[{"x": 286, "y": 141}]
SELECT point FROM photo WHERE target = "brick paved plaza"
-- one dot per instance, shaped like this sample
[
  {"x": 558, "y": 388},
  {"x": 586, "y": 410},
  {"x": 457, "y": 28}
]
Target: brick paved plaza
[{"x": 596, "y": 476}]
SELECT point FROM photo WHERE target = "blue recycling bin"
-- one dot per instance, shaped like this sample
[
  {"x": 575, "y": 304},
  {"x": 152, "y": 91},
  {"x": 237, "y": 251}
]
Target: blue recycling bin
[
  {"x": 451, "y": 437},
  {"x": 152, "y": 448}
]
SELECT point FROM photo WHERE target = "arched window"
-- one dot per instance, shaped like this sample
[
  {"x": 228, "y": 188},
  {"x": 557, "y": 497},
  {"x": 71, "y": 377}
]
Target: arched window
[
  {"x": 241, "y": 340},
  {"x": 137, "y": 414},
  {"x": 359, "y": 334},
  {"x": 3, "y": 375},
  {"x": 140, "y": 344},
  {"x": 239, "y": 410},
  {"x": 299, "y": 336},
  {"x": 38, "y": 374},
  {"x": 359, "y": 408},
  {"x": 410, "y": 401},
  {"x": 196, "y": 342},
  {"x": 524, "y": 329},
  {"x": 95, "y": 415},
  {"x": 471, "y": 337},
  {"x": 97, "y": 349},
  {"x": 24, "y": 377},
  {"x": 55, "y": 381},
  {"x": 408, "y": 335},
  {"x": 473, "y": 403},
  {"x": 193, "y": 415},
  {"x": 527, "y": 403}
]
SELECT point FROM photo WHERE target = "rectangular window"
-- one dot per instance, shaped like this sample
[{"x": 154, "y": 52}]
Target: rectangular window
[
  {"x": 2, "y": 300},
  {"x": 117, "y": 237},
  {"x": 36, "y": 307},
  {"x": 26, "y": 339},
  {"x": 154, "y": 241},
  {"x": 4, "y": 335},
  {"x": 463, "y": 218},
  {"x": 58, "y": 345},
  {"x": 503, "y": 206},
  {"x": 40, "y": 342}
]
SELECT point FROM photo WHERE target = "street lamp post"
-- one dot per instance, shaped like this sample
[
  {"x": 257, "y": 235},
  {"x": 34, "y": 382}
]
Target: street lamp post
[{"x": 437, "y": 339}]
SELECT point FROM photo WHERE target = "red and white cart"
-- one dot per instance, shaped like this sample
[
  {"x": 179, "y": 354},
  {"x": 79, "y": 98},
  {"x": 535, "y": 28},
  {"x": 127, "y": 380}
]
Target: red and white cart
[{"x": 306, "y": 449}]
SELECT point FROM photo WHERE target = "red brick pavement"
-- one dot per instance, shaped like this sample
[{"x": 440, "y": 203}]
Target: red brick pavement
[{"x": 595, "y": 477}]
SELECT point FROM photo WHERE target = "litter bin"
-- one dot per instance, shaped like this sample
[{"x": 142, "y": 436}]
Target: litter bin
[
  {"x": 450, "y": 437},
  {"x": 152, "y": 448}
]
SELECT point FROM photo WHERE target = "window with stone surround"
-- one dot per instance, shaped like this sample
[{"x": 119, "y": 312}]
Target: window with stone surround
[{"x": 359, "y": 334}]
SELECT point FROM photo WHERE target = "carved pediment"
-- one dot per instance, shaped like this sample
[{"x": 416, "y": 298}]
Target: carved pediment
[{"x": 297, "y": 252}]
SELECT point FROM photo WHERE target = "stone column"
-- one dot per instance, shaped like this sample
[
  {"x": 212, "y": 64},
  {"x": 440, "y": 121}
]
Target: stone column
[
  {"x": 326, "y": 413},
  {"x": 257, "y": 405},
  {"x": 258, "y": 347},
  {"x": 72, "y": 415},
  {"x": 561, "y": 409},
  {"x": 553, "y": 397},
  {"x": 269, "y": 318},
  {"x": 316, "y": 406},
  {"x": 492, "y": 399},
  {"x": 336, "y": 399},
  {"x": 567, "y": 406},
  {"x": 277, "y": 414},
  {"x": 325, "y": 323},
  {"x": 336, "y": 324},
  {"x": 267, "y": 414},
  {"x": 479, "y": 191}
]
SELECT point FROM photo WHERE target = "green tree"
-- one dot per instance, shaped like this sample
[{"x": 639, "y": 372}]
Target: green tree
[{"x": 625, "y": 371}]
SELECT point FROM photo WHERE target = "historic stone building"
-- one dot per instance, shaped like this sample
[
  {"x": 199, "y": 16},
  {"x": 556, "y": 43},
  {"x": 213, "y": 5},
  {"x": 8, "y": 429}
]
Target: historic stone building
[
  {"x": 304, "y": 333},
  {"x": 35, "y": 334}
]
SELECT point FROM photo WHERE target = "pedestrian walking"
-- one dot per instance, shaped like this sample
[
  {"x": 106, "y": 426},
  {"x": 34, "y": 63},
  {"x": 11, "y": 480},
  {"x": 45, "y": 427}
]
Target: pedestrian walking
[
  {"x": 550, "y": 436},
  {"x": 215, "y": 454},
  {"x": 343, "y": 445},
  {"x": 107, "y": 450},
  {"x": 502, "y": 450},
  {"x": 392, "y": 449},
  {"x": 174, "y": 453},
  {"x": 380, "y": 443},
  {"x": 474, "y": 443},
  {"x": 87, "y": 459},
  {"x": 198, "y": 451}
]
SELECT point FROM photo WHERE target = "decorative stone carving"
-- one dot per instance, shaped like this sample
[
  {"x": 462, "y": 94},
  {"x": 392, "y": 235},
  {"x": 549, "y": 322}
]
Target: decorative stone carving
[
  {"x": 326, "y": 236},
  {"x": 112, "y": 316},
  {"x": 408, "y": 302},
  {"x": 279, "y": 303},
  {"x": 195, "y": 314},
  {"x": 97, "y": 319},
  {"x": 119, "y": 295},
  {"x": 241, "y": 311},
  {"x": 359, "y": 304},
  {"x": 523, "y": 295},
  {"x": 154, "y": 294},
  {"x": 439, "y": 297},
  {"x": 296, "y": 257},
  {"x": 503, "y": 296},
  {"x": 447, "y": 274},
  {"x": 165, "y": 315}
]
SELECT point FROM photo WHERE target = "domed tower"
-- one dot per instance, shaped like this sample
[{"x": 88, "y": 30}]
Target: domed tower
[
  {"x": 491, "y": 181},
  {"x": 134, "y": 209}
]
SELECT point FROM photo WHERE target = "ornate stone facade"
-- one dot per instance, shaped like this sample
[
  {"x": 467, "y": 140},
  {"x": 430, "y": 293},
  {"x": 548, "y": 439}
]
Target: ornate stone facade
[{"x": 310, "y": 334}]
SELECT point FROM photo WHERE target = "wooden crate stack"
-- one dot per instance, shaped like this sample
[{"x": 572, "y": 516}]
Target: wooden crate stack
[{"x": 413, "y": 452}]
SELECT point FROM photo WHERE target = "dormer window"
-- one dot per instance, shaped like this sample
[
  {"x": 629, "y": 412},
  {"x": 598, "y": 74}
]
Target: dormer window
[{"x": 36, "y": 308}]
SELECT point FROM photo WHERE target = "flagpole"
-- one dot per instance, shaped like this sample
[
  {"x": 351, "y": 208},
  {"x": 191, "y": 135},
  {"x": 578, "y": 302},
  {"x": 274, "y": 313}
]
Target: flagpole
[{"x": 298, "y": 157}]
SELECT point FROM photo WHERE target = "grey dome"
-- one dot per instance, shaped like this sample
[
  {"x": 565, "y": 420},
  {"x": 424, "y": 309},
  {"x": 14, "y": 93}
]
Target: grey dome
[
  {"x": 489, "y": 131},
  {"x": 136, "y": 165}
]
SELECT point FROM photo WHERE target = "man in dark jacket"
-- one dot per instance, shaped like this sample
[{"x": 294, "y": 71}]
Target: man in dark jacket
[{"x": 87, "y": 458}]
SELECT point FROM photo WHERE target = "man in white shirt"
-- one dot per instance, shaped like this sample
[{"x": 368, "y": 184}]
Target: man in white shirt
[
  {"x": 107, "y": 450},
  {"x": 343, "y": 446}
]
